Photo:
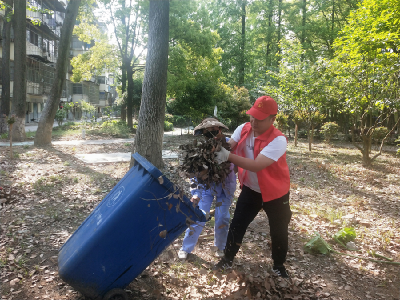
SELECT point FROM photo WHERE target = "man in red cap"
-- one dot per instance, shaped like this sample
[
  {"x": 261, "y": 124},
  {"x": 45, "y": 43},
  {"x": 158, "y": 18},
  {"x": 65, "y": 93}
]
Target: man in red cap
[{"x": 259, "y": 151}]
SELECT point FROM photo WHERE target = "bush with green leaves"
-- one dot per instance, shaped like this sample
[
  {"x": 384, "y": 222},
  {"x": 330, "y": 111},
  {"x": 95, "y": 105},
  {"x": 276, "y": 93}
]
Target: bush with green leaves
[
  {"x": 169, "y": 118},
  {"x": 115, "y": 128},
  {"x": 282, "y": 121},
  {"x": 379, "y": 134},
  {"x": 60, "y": 115},
  {"x": 168, "y": 126},
  {"x": 181, "y": 121},
  {"x": 329, "y": 130}
]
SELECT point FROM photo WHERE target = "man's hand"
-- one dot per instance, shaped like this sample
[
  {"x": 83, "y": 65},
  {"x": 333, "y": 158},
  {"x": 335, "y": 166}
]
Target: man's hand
[
  {"x": 221, "y": 156},
  {"x": 195, "y": 200}
]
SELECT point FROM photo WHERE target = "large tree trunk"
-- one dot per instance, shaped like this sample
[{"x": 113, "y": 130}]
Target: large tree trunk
[
  {"x": 149, "y": 137},
  {"x": 5, "y": 67},
  {"x": 45, "y": 126},
  {"x": 18, "y": 105}
]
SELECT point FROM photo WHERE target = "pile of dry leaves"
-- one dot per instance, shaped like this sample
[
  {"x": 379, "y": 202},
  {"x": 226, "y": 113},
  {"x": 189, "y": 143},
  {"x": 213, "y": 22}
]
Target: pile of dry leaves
[{"x": 199, "y": 161}]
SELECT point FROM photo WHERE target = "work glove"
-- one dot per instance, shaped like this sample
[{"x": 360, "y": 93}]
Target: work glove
[{"x": 222, "y": 155}]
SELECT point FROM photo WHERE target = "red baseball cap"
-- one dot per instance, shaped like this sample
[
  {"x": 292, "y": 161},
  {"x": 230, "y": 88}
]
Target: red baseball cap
[{"x": 263, "y": 107}]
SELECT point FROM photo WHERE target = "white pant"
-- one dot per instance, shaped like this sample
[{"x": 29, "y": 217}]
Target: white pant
[{"x": 222, "y": 218}]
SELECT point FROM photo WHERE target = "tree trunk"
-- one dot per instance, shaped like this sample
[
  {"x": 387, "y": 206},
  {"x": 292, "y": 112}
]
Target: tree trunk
[
  {"x": 129, "y": 98},
  {"x": 310, "y": 138},
  {"x": 45, "y": 126},
  {"x": 149, "y": 137},
  {"x": 242, "y": 45},
  {"x": 5, "y": 67},
  {"x": 279, "y": 28},
  {"x": 366, "y": 149},
  {"x": 296, "y": 132},
  {"x": 123, "y": 89},
  {"x": 303, "y": 25},
  {"x": 18, "y": 104},
  {"x": 268, "y": 59}
]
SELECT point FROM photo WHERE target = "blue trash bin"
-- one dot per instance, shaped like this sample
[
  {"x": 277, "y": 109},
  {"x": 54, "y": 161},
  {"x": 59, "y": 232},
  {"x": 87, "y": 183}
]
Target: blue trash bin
[{"x": 132, "y": 225}]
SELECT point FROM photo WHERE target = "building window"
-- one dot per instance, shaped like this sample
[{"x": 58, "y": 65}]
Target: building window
[
  {"x": 77, "y": 88},
  {"x": 32, "y": 37},
  {"x": 76, "y": 43},
  {"x": 101, "y": 79}
]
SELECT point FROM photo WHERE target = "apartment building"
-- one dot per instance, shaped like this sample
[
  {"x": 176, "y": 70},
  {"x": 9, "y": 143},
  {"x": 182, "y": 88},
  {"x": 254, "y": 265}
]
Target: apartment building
[{"x": 42, "y": 38}]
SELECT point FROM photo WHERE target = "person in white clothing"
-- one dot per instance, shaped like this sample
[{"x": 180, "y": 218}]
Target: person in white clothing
[{"x": 259, "y": 151}]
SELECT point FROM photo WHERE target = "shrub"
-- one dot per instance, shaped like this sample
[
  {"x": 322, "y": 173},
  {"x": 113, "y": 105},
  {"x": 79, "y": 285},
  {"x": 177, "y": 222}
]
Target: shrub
[
  {"x": 115, "y": 128},
  {"x": 379, "y": 134},
  {"x": 329, "y": 130},
  {"x": 169, "y": 118},
  {"x": 282, "y": 121},
  {"x": 180, "y": 121},
  {"x": 168, "y": 126},
  {"x": 60, "y": 115}
]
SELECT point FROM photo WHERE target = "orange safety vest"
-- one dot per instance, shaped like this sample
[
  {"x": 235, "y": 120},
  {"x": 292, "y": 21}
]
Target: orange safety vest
[{"x": 274, "y": 180}]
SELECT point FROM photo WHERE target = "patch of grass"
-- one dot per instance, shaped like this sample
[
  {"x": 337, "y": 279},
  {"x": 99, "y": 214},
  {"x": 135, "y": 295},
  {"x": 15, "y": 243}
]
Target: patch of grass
[
  {"x": 30, "y": 134},
  {"x": 65, "y": 132},
  {"x": 66, "y": 163},
  {"x": 42, "y": 185}
]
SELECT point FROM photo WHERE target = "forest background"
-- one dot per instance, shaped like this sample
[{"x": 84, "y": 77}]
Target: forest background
[{"x": 327, "y": 63}]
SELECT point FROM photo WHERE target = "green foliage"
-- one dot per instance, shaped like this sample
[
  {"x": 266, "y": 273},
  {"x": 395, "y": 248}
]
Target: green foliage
[
  {"x": 317, "y": 245},
  {"x": 10, "y": 119},
  {"x": 299, "y": 116},
  {"x": 87, "y": 108},
  {"x": 232, "y": 105},
  {"x": 181, "y": 121},
  {"x": 100, "y": 55},
  {"x": 196, "y": 101},
  {"x": 193, "y": 61},
  {"x": 345, "y": 235},
  {"x": 115, "y": 128},
  {"x": 60, "y": 115},
  {"x": 329, "y": 130},
  {"x": 169, "y": 118},
  {"x": 282, "y": 121},
  {"x": 379, "y": 134},
  {"x": 168, "y": 126}
]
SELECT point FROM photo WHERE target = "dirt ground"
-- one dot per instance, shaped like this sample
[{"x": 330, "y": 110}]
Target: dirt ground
[{"x": 46, "y": 193}]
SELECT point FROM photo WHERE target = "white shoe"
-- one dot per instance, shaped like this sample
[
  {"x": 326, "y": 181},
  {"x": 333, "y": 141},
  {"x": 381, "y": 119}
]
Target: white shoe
[
  {"x": 182, "y": 254},
  {"x": 219, "y": 253}
]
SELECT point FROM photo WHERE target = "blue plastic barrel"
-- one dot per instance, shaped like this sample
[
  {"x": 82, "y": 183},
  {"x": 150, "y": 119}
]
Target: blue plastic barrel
[{"x": 142, "y": 215}]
